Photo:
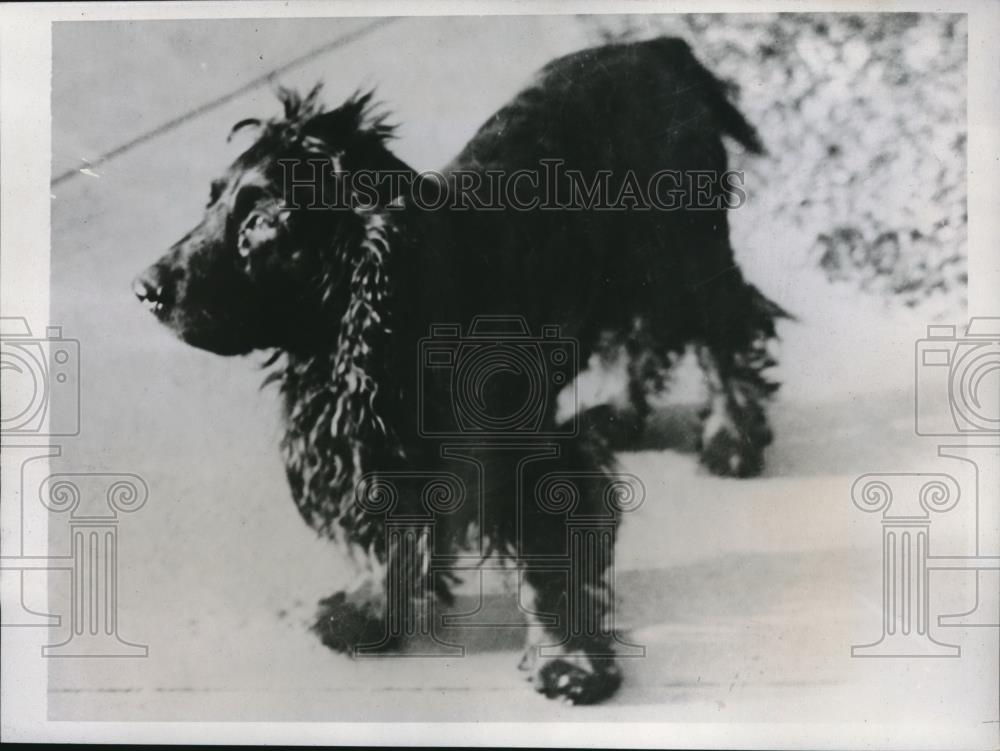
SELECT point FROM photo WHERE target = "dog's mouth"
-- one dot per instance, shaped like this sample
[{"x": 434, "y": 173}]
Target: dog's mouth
[
  {"x": 152, "y": 297},
  {"x": 158, "y": 309}
]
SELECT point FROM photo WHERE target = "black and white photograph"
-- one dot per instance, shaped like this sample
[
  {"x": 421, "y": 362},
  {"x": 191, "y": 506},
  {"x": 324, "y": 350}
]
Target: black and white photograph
[{"x": 584, "y": 374}]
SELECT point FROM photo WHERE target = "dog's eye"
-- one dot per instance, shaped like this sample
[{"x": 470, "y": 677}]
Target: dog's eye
[
  {"x": 215, "y": 191},
  {"x": 246, "y": 199}
]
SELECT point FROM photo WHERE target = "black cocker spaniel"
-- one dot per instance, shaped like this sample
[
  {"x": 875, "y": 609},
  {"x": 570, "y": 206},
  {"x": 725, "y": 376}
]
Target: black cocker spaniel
[{"x": 424, "y": 330}]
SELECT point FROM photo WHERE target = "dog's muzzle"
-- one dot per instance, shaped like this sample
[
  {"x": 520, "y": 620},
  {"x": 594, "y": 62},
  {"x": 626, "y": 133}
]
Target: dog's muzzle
[{"x": 150, "y": 292}]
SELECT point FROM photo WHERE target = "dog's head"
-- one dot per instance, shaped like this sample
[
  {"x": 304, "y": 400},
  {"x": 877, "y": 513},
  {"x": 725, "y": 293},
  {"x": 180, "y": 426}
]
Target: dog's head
[{"x": 262, "y": 269}]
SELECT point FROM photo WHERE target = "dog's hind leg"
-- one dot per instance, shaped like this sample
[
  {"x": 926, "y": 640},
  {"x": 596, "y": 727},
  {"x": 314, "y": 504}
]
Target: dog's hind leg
[
  {"x": 733, "y": 329},
  {"x": 735, "y": 429},
  {"x": 645, "y": 370},
  {"x": 612, "y": 393}
]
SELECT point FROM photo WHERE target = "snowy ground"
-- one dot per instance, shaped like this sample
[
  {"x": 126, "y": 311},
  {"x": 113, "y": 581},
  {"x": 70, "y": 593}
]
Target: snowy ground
[{"x": 746, "y": 594}]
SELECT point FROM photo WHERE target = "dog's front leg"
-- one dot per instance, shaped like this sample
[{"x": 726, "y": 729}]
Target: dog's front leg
[
  {"x": 391, "y": 602},
  {"x": 567, "y": 567},
  {"x": 356, "y": 617},
  {"x": 564, "y": 660}
]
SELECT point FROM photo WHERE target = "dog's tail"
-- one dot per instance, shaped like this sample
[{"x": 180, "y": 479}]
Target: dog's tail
[
  {"x": 765, "y": 311},
  {"x": 716, "y": 93}
]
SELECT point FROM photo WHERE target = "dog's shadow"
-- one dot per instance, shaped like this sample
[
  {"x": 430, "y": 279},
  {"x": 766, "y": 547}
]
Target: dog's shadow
[{"x": 683, "y": 631}]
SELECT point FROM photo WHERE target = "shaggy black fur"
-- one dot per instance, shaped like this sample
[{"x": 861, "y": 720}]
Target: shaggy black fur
[{"x": 343, "y": 297}]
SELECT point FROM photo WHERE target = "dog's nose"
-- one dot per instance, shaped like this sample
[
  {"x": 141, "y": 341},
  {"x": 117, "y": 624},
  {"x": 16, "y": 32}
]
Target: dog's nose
[
  {"x": 146, "y": 290},
  {"x": 149, "y": 291}
]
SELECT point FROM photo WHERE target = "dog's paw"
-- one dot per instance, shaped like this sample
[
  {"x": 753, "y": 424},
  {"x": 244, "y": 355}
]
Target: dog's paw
[
  {"x": 732, "y": 445},
  {"x": 574, "y": 677},
  {"x": 345, "y": 622}
]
